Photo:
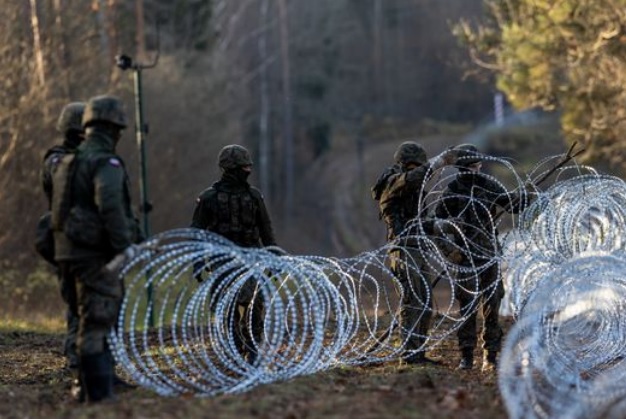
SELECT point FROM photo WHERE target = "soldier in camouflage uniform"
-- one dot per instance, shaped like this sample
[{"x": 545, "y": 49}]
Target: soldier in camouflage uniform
[
  {"x": 398, "y": 192},
  {"x": 92, "y": 222},
  {"x": 473, "y": 200},
  {"x": 71, "y": 127},
  {"x": 235, "y": 210}
]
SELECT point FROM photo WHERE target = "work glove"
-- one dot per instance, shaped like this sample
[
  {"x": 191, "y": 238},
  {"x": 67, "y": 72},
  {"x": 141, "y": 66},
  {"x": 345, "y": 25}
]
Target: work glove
[
  {"x": 276, "y": 250},
  {"x": 116, "y": 264}
]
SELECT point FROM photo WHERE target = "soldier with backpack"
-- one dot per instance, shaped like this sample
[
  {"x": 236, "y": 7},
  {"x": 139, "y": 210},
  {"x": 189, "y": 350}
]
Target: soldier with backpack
[
  {"x": 70, "y": 126},
  {"x": 92, "y": 222},
  {"x": 398, "y": 192}
]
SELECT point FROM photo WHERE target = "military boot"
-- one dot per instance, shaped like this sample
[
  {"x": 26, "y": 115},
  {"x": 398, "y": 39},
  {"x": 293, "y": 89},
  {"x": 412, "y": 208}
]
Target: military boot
[
  {"x": 118, "y": 382},
  {"x": 420, "y": 358},
  {"x": 490, "y": 361},
  {"x": 97, "y": 377},
  {"x": 467, "y": 359},
  {"x": 77, "y": 391}
]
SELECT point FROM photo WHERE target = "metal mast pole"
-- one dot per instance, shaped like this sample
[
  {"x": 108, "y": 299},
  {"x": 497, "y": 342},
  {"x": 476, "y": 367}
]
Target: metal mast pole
[
  {"x": 140, "y": 131},
  {"x": 124, "y": 62}
]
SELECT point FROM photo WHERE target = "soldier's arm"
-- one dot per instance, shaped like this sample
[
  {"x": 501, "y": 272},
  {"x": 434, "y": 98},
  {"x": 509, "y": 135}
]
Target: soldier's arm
[
  {"x": 414, "y": 178},
  {"x": 509, "y": 201},
  {"x": 46, "y": 181},
  {"x": 265, "y": 224},
  {"x": 201, "y": 219},
  {"x": 49, "y": 164},
  {"x": 109, "y": 198},
  {"x": 399, "y": 183},
  {"x": 447, "y": 158},
  {"x": 201, "y": 214}
]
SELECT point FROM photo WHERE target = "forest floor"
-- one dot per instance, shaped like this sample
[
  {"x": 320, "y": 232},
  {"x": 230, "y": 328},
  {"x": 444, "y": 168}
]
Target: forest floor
[{"x": 34, "y": 383}]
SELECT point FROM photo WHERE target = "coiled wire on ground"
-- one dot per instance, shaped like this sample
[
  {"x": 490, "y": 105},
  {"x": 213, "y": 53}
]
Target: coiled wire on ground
[
  {"x": 566, "y": 273},
  {"x": 175, "y": 335}
]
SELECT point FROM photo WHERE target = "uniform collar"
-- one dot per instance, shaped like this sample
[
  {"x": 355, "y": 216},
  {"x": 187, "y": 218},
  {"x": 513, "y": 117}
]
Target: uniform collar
[{"x": 98, "y": 140}]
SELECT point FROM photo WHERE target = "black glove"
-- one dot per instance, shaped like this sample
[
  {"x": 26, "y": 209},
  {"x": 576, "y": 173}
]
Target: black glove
[{"x": 198, "y": 268}]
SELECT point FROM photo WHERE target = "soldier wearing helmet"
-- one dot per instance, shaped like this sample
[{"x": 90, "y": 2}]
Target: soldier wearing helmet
[
  {"x": 92, "y": 222},
  {"x": 472, "y": 199},
  {"x": 468, "y": 156},
  {"x": 70, "y": 127},
  {"x": 235, "y": 210},
  {"x": 410, "y": 153},
  {"x": 398, "y": 191}
]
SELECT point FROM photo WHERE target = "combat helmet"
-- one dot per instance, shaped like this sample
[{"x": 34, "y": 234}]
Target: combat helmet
[
  {"x": 234, "y": 156},
  {"x": 71, "y": 117},
  {"x": 468, "y": 155},
  {"x": 105, "y": 108},
  {"x": 410, "y": 152}
]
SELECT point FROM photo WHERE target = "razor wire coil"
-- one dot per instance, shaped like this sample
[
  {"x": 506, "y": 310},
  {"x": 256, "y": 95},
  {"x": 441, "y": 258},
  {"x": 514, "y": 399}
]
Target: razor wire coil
[
  {"x": 566, "y": 272},
  {"x": 175, "y": 335}
]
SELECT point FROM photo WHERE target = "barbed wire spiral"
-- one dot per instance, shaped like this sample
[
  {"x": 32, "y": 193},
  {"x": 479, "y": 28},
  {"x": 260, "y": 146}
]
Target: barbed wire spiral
[
  {"x": 176, "y": 336},
  {"x": 566, "y": 272}
]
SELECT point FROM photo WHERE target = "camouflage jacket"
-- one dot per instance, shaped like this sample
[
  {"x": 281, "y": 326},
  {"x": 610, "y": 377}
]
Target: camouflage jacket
[
  {"x": 398, "y": 195},
  {"x": 236, "y": 211},
  {"x": 91, "y": 205},
  {"x": 474, "y": 200}
]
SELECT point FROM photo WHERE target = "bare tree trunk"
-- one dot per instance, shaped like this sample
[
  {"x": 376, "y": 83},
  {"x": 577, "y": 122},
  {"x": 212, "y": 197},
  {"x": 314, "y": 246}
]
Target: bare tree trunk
[
  {"x": 264, "y": 140},
  {"x": 40, "y": 72},
  {"x": 141, "y": 35},
  {"x": 287, "y": 111},
  {"x": 112, "y": 31},
  {"x": 376, "y": 53},
  {"x": 63, "y": 53},
  {"x": 106, "y": 29},
  {"x": 399, "y": 70},
  {"x": 102, "y": 25}
]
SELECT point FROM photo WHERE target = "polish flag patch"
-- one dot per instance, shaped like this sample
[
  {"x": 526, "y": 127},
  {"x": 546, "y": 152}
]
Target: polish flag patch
[{"x": 115, "y": 162}]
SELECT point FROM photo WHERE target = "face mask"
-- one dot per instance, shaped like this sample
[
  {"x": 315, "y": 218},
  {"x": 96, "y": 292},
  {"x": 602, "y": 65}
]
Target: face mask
[
  {"x": 74, "y": 138},
  {"x": 239, "y": 174},
  {"x": 117, "y": 135}
]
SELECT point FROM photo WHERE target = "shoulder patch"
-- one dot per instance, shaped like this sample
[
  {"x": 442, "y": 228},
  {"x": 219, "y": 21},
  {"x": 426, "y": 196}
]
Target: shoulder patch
[{"x": 115, "y": 162}]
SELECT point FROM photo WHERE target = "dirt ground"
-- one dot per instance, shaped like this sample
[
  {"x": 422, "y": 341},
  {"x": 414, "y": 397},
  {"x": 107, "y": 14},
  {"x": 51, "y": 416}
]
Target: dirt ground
[{"x": 35, "y": 384}]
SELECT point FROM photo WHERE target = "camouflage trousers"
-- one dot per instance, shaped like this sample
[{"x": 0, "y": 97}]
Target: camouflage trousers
[
  {"x": 248, "y": 320},
  {"x": 465, "y": 289},
  {"x": 416, "y": 306},
  {"x": 71, "y": 320},
  {"x": 95, "y": 301}
]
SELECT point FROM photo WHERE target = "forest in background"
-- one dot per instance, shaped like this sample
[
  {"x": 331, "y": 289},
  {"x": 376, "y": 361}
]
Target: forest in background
[{"x": 291, "y": 79}]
